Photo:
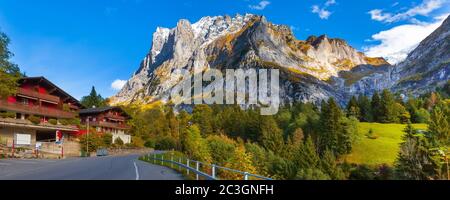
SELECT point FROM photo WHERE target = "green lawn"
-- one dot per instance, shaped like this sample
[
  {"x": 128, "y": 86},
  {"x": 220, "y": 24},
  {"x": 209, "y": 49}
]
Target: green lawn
[{"x": 384, "y": 149}]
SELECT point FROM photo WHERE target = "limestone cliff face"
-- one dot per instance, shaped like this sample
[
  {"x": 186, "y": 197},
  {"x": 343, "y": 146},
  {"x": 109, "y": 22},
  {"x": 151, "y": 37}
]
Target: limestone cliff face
[{"x": 312, "y": 70}]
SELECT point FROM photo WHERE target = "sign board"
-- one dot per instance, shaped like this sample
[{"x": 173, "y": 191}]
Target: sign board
[
  {"x": 23, "y": 139},
  {"x": 59, "y": 137},
  {"x": 38, "y": 145}
]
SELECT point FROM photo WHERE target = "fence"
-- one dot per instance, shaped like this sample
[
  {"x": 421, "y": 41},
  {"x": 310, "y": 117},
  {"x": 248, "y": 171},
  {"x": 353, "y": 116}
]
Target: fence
[{"x": 198, "y": 170}]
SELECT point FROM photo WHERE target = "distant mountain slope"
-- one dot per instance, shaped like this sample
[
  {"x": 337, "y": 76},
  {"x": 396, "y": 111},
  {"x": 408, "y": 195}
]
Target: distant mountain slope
[{"x": 428, "y": 65}]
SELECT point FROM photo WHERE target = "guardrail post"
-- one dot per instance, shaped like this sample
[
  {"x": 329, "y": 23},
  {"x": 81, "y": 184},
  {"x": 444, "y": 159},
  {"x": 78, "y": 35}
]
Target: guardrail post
[
  {"x": 187, "y": 169},
  {"x": 246, "y": 176},
  {"x": 162, "y": 160},
  {"x": 197, "y": 168},
  {"x": 179, "y": 163},
  {"x": 154, "y": 158},
  {"x": 171, "y": 161},
  {"x": 213, "y": 171}
]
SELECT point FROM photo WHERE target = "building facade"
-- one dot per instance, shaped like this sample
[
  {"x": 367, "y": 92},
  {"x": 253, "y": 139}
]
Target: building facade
[
  {"x": 39, "y": 114},
  {"x": 111, "y": 120}
]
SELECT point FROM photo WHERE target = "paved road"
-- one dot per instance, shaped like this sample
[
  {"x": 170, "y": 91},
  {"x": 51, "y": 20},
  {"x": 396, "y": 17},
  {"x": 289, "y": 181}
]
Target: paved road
[{"x": 98, "y": 168}]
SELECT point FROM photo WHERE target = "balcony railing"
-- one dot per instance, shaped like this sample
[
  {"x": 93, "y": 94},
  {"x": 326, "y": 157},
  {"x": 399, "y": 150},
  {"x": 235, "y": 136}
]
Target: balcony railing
[
  {"x": 31, "y": 93},
  {"x": 35, "y": 110},
  {"x": 110, "y": 125},
  {"x": 116, "y": 117}
]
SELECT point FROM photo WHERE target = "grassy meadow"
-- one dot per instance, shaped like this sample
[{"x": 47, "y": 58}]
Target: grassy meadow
[{"x": 382, "y": 147}]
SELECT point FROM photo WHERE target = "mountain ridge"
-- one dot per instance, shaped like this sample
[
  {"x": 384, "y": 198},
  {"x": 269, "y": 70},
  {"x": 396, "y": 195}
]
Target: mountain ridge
[{"x": 312, "y": 70}]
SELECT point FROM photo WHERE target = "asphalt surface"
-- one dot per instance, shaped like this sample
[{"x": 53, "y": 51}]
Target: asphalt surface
[{"x": 97, "y": 168}]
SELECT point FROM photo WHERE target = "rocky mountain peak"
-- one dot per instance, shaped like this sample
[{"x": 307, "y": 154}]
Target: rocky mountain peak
[{"x": 312, "y": 70}]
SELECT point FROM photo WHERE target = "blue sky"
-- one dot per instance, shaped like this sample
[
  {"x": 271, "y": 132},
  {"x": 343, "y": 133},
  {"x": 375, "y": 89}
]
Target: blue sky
[{"x": 81, "y": 43}]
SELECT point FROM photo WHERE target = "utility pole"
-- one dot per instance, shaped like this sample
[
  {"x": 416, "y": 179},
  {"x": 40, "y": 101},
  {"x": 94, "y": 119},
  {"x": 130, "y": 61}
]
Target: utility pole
[{"x": 87, "y": 138}]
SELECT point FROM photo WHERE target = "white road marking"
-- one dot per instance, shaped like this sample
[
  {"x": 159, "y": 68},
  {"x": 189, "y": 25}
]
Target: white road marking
[{"x": 137, "y": 171}]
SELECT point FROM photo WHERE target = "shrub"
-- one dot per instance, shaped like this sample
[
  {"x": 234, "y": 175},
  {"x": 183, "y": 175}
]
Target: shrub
[
  {"x": 34, "y": 119},
  {"x": 53, "y": 121},
  {"x": 362, "y": 172},
  {"x": 371, "y": 135},
  {"x": 95, "y": 141},
  {"x": 165, "y": 143},
  {"x": 195, "y": 146},
  {"x": 223, "y": 148},
  {"x": 66, "y": 107},
  {"x": 8, "y": 115},
  {"x": 72, "y": 121},
  {"x": 107, "y": 139},
  {"x": 149, "y": 143},
  {"x": 118, "y": 141},
  {"x": 137, "y": 142}
]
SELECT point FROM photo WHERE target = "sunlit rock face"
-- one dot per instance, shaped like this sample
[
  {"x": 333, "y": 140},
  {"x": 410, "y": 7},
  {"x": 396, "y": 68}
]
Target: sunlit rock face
[{"x": 312, "y": 70}]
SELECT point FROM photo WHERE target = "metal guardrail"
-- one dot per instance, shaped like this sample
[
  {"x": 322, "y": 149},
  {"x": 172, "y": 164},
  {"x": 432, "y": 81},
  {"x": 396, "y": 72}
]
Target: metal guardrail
[{"x": 195, "y": 167}]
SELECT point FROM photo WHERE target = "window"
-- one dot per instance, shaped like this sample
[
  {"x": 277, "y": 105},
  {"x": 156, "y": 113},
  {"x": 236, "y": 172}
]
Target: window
[{"x": 24, "y": 101}]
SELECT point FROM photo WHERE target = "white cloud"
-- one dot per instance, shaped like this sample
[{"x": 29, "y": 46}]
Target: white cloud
[
  {"x": 118, "y": 84},
  {"x": 322, "y": 12},
  {"x": 423, "y": 9},
  {"x": 330, "y": 2},
  {"x": 397, "y": 42},
  {"x": 261, "y": 5}
]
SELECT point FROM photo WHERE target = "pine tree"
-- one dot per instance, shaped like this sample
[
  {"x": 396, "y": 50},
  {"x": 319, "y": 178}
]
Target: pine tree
[
  {"x": 307, "y": 156},
  {"x": 202, "y": 115},
  {"x": 93, "y": 100},
  {"x": 173, "y": 124},
  {"x": 331, "y": 116},
  {"x": 329, "y": 166},
  {"x": 271, "y": 135},
  {"x": 439, "y": 126},
  {"x": 364, "y": 109},
  {"x": 388, "y": 110},
  {"x": 376, "y": 107},
  {"x": 353, "y": 109},
  {"x": 415, "y": 161}
]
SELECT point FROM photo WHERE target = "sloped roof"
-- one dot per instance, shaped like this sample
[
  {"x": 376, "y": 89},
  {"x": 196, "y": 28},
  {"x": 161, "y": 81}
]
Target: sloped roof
[
  {"x": 58, "y": 91},
  {"x": 102, "y": 109}
]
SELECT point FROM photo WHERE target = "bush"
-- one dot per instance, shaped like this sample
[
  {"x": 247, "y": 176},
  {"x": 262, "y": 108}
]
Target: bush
[
  {"x": 312, "y": 174},
  {"x": 66, "y": 107},
  {"x": 165, "y": 143},
  {"x": 223, "y": 148},
  {"x": 362, "y": 172},
  {"x": 107, "y": 139},
  {"x": 137, "y": 142},
  {"x": 34, "y": 119},
  {"x": 371, "y": 135},
  {"x": 73, "y": 121},
  {"x": 8, "y": 115},
  {"x": 95, "y": 141},
  {"x": 118, "y": 141},
  {"x": 149, "y": 143},
  {"x": 53, "y": 121}
]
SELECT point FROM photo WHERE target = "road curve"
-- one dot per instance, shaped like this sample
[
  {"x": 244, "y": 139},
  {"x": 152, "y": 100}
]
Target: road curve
[{"x": 98, "y": 168}]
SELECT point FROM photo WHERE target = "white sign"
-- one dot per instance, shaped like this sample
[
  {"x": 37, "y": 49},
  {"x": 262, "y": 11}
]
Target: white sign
[
  {"x": 38, "y": 145},
  {"x": 23, "y": 139}
]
